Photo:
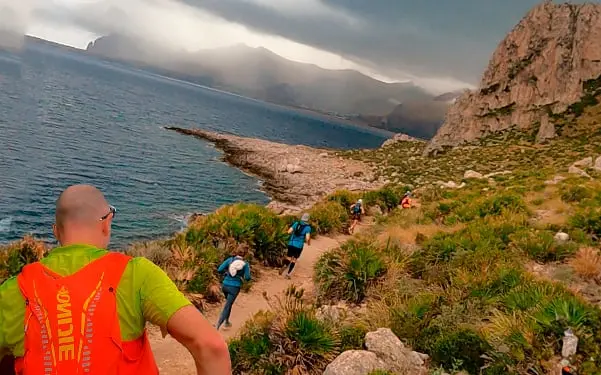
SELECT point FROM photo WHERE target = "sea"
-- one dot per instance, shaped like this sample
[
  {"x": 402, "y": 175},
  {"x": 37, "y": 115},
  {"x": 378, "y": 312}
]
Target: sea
[{"x": 69, "y": 118}]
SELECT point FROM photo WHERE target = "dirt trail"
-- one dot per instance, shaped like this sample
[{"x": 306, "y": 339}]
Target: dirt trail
[{"x": 173, "y": 359}]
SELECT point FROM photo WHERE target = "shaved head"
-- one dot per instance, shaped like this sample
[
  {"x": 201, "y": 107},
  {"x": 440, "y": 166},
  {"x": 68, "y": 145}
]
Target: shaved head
[
  {"x": 79, "y": 210},
  {"x": 83, "y": 203}
]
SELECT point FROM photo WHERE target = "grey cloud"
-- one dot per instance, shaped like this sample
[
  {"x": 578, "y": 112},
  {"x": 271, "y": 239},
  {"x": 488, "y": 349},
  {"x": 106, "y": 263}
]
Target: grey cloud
[{"x": 425, "y": 37}]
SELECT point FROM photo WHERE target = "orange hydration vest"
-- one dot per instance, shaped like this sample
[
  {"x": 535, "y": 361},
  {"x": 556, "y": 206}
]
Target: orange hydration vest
[
  {"x": 406, "y": 202},
  {"x": 72, "y": 325}
]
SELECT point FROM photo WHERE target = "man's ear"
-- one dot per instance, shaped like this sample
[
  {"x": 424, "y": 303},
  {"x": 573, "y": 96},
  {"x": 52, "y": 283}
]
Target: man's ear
[
  {"x": 56, "y": 232},
  {"x": 106, "y": 227}
]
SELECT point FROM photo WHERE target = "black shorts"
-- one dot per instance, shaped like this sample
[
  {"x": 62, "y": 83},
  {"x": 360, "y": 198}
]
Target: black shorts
[
  {"x": 294, "y": 252},
  {"x": 357, "y": 216}
]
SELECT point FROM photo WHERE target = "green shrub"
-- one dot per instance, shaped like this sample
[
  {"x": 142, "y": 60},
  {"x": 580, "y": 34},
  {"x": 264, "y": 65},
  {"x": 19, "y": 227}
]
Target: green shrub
[
  {"x": 261, "y": 232},
  {"x": 347, "y": 272},
  {"x": 575, "y": 194},
  {"x": 541, "y": 246},
  {"x": 344, "y": 198},
  {"x": 352, "y": 337},
  {"x": 289, "y": 340},
  {"x": 16, "y": 255},
  {"x": 500, "y": 204},
  {"x": 588, "y": 220},
  {"x": 461, "y": 349},
  {"x": 329, "y": 217}
]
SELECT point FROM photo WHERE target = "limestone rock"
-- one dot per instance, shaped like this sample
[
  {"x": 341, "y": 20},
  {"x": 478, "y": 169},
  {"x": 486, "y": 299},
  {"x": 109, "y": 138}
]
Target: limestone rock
[
  {"x": 399, "y": 138},
  {"x": 493, "y": 174},
  {"x": 355, "y": 362},
  {"x": 597, "y": 165},
  {"x": 546, "y": 130},
  {"x": 293, "y": 168},
  {"x": 473, "y": 175},
  {"x": 562, "y": 237},
  {"x": 391, "y": 350},
  {"x": 537, "y": 70},
  {"x": 555, "y": 180},
  {"x": 451, "y": 185},
  {"x": 332, "y": 312},
  {"x": 584, "y": 163},
  {"x": 577, "y": 171}
]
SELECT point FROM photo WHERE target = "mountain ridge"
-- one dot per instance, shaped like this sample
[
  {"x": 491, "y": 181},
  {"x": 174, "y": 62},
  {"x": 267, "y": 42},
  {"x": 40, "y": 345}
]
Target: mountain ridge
[{"x": 262, "y": 74}]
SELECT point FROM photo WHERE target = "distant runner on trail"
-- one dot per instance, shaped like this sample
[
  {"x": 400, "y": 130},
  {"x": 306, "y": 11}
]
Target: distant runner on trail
[
  {"x": 235, "y": 269},
  {"x": 406, "y": 201},
  {"x": 83, "y": 310},
  {"x": 356, "y": 211},
  {"x": 300, "y": 233}
]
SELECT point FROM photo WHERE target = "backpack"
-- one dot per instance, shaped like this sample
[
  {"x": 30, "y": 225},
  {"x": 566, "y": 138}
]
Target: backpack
[
  {"x": 299, "y": 229},
  {"x": 73, "y": 321},
  {"x": 357, "y": 208},
  {"x": 236, "y": 266}
]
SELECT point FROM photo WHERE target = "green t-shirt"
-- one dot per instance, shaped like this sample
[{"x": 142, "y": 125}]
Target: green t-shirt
[{"x": 145, "y": 294}]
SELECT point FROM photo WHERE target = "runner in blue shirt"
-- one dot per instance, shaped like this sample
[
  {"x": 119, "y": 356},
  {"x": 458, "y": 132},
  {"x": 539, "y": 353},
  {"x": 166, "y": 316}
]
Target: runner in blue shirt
[{"x": 300, "y": 233}]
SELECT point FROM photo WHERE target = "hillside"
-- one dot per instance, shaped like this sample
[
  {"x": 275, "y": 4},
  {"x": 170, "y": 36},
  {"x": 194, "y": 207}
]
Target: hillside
[
  {"x": 261, "y": 74},
  {"x": 546, "y": 67}
]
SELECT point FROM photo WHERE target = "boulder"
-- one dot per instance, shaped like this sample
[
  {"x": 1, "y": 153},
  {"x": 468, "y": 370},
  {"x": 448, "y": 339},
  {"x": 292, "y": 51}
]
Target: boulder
[
  {"x": 577, "y": 171},
  {"x": 391, "y": 350},
  {"x": 597, "y": 165},
  {"x": 355, "y": 362},
  {"x": 399, "y": 138},
  {"x": 451, "y": 185},
  {"x": 584, "y": 163},
  {"x": 562, "y": 237},
  {"x": 555, "y": 180},
  {"x": 332, "y": 313},
  {"x": 323, "y": 155},
  {"x": 294, "y": 168},
  {"x": 472, "y": 175}
]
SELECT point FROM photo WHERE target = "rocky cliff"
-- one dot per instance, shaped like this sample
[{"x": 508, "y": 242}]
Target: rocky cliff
[{"x": 548, "y": 62}]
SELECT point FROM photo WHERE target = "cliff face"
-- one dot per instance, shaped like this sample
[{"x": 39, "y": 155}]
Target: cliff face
[{"x": 540, "y": 68}]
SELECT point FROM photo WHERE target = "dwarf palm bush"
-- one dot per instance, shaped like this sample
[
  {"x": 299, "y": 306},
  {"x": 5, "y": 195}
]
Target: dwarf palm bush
[
  {"x": 329, "y": 217},
  {"x": 347, "y": 273},
  {"x": 14, "y": 256},
  {"x": 291, "y": 340},
  {"x": 261, "y": 231}
]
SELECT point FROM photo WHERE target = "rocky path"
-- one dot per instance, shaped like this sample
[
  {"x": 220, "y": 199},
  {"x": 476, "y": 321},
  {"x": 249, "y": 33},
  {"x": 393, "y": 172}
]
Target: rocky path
[{"x": 173, "y": 359}]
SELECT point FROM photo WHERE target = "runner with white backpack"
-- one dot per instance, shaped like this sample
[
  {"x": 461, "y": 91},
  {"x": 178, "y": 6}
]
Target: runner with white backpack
[{"x": 236, "y": 271}]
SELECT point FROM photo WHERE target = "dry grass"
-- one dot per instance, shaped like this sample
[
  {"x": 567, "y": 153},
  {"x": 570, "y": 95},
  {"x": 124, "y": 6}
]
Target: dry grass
[
  {"x": 587, "y": 263},
  {"x": 408, "y": 235}
]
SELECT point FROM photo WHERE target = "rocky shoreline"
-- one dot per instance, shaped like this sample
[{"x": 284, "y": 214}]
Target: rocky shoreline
[{"x": 295, "y": 176}]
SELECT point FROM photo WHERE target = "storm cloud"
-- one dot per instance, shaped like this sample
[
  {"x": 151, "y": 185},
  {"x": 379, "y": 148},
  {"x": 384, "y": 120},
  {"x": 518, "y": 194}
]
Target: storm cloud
[{"x": 447, "y": 42}]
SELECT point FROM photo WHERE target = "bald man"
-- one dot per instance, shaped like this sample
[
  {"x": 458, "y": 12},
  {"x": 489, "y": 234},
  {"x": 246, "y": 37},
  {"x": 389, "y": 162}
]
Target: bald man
[{"x": 83, "y": 309}]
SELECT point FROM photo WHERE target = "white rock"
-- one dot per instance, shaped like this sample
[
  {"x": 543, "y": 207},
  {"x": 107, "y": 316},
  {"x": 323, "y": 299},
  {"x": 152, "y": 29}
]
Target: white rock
[
  {"x": 391, "y": 350},
  {"x": 493, "y": 174},
  {"x": 472, "y": 175},
  {"x": 562, "y": 237},
  {"x": 584, "y": 163},
  {"x": 597, "y": 165},
  {"x": 577, "y": 171},
  {"x": 570, "y": 344},
  {"x": 293, "y": 168},
  {"x": 555, "y": 180},
  {"x": 323, "y": 155},
  {"x": 355, "y": 362}
]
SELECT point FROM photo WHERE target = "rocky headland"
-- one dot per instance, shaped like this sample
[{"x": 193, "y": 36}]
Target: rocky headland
[
  {"x": 549, "y": 65},
  {"x": 295, "y": 176}
]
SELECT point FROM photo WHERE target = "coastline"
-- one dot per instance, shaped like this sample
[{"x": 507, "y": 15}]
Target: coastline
[{"x": 295, "y": 177}]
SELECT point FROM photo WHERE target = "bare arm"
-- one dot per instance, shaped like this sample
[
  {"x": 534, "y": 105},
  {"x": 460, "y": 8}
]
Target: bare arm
[
  {"x": 202, "y": 340},
  {"x": 290, "y": 230},
  {"x": 308, "y": 239}
]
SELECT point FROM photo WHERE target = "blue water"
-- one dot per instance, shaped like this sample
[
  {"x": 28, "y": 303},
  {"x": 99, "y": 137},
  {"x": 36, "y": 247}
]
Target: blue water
[{"x": 68, "y": 118}]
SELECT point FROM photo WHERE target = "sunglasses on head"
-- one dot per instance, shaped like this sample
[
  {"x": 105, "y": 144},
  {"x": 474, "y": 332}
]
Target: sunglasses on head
[{"x": 112, "y": 211}]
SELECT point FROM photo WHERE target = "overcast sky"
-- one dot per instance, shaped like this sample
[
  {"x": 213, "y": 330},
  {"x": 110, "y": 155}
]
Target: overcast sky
[{"x": 440, "y": 44}]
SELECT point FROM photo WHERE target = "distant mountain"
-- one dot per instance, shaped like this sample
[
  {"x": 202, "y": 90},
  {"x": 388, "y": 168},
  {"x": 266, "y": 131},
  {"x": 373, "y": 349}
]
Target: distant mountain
[{"x": 264, "y": 75}]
